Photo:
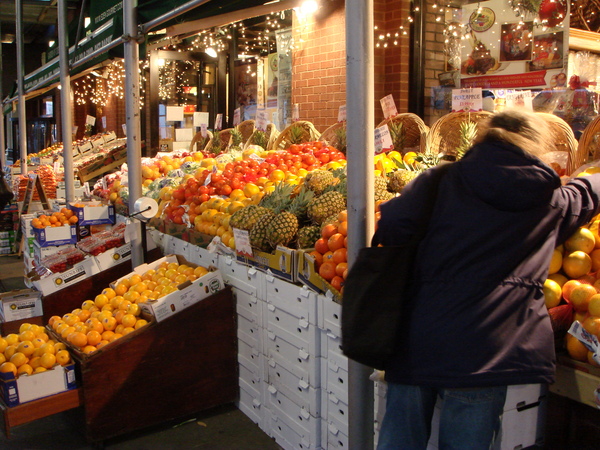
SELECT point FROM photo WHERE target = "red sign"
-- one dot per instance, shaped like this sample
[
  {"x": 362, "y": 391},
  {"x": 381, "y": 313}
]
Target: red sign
[{"x": 514, "y": 81}]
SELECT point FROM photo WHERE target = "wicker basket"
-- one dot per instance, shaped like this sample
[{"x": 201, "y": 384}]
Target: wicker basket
[
  {"x": 272, "y": 135},
  {"x": 246, "y": 128},
  {"x": 330, "y": 136},
  {"x": 565, "y": 141},
  {"x": 309, "y": 134},
  {"x": 198, "y": 142},
  {"x": 224, "y": 135},
  {"x": 589, "y": 142},
  {"x": 415, "y": 131},
  {"x": 444, "y": 135}
]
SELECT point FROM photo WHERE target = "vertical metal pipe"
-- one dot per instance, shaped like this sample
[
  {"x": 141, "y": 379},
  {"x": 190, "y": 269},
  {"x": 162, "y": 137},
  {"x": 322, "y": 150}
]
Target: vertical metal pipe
[
  {"x": 360, "y": 93},
  {"x": 2, "y": 136},
  {"x": 416, "y": 102},
  {"x": 21, "y": 89},
  {"x": 65, "y": 101},
  {"x": 132, "y": 113}
]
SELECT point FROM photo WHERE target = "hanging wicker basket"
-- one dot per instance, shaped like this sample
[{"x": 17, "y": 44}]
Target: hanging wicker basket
[
  {"x": 414, "y": 130},
  {"x": 309, "y": 134},
  {"x": 589, "y": 142},
  {"x": 444, "y": 135},
  {"x": 564, "y": 139},
  {"x": 331, "y": 136},
  {"x": 272, "y": 133},
  {"x": 246, "y": 128},
  {"x": 199, "y": 143}
]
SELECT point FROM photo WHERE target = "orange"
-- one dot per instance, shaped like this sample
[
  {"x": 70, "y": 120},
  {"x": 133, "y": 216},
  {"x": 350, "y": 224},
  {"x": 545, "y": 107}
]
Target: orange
[
  {"x": 38, "y": 342},
  {"x": 10, "y": 350},
  {"x": 59, "y": 346},
  {"x": 328, "y": 256},
  {"x": 140, "y": 323},
  {"x": 341, "y": 268},
  {"x": 337, "y": 282},
  {"x": 63, "y": 357},
  {"x": 70, "y": 319},
  {"x": 101, "y": 344},
  {"x": 321, "y": 246},
  {"x": 109, "y": 323},
  {"x": 124, "y": 305},
  {"x": 317, "y": 256},
  {"x": 12, "y": 339},
  {"x": 3, "y": 344},
  {"x": 6, "y": 367},
  {"x": 101, "y": 300},
  {"x": 47, "y": 360},
  {"x": 114, "y": 337},
  {"x": 581, "y": 295},
  {"x": 121, "y": 288},
  {"x": 132, "y": 296},
  {"x": 200, "y": 271},
  {"x": 343, "y": 228},
  {"x": 342, "y": 216},
  {"x": 26, "y": 335},
  {"x": 555, "y": 262},
  {"x": 2, "y": 358},
  {"x": 67, "y": 331},
  {"x": 18, "y": 359},
  {"x": 43, "y": 336},
  {"x": 128, "y": 320},
  {"x": 48, "y": 347},
  {"x": 340, "y": 255},
  {"x": 84, "y": 315},
  {"x": 87, "y": 304},
  {"x": 134, "y": 309},
  {"x": 34, "y": 362},
  {"x": 78, "y": 339},
  {"x": 39, "y": 369},
  {"x": 568, "y": 287},
  {"x": 575, "y": 348},
  {"x": 89, "y": 349},
  {"x": 127, "y": 330},
  {"x": 134, "y": 279},
  {"x": 118, "y": 314},
  {"x": 552, "y": 293},
  {"x": 582, "y": 240},
  {"x": 327, "y": 270},
  {"x": 27, "y": 348},
  {"x": 594, "y": 305},
  {"x": 24, "y": 369},
  {"x": 109, "y": 292},
  {"x": 53, "y": 319},
  {"x": 251, "y": 189},
  {"x": 329, "y": 230},
  {"x": 106, "y": 335},
  {"x": 592, "y": 325},
  {"x": 577, "y": 264}
]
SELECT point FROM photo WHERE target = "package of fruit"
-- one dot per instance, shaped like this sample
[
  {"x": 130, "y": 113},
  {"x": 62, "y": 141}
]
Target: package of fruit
[
  {"x": 63, "y": 260},
  {"x": 587, "y": 339},
  {"x": 92, "y": 245},
  {"x": 561, "y": 317}
]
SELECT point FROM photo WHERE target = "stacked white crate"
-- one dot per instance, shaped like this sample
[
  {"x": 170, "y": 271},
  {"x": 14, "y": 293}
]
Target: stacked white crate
[
  {"x": 248, "y": 286},
  {"x": 293, "y": 365},
  {"x": 334, "y": 411}
]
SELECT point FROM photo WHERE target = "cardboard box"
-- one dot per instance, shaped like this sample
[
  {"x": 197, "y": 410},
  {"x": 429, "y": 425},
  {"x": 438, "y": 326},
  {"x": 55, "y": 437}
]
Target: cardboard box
[
  {"x": 58, "y": 281},
  {"x": 39, "y": 252},
  {"x": 113, "y": 256},
  {"x": 20, "y": 304},
  {"x": 283, "y": 263},
  {"x": 187, "y": 293},
  {"x": 67, "y": 234},
  {"x": 32, "y": 387},
  {"x": 309, "y": 275},
  {"x": 93, "y": 213}
]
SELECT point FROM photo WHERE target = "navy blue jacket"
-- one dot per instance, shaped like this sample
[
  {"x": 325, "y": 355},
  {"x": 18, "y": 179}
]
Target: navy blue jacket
[{"x": 478, "y": 316}]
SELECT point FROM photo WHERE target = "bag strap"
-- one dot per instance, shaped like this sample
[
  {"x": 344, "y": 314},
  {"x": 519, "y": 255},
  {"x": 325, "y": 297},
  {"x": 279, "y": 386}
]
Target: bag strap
[{"x": 429, "y": 204}]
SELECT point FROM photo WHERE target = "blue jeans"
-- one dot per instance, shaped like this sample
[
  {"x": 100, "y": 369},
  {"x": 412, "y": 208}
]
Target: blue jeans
[{"x": 469, "y": 420}]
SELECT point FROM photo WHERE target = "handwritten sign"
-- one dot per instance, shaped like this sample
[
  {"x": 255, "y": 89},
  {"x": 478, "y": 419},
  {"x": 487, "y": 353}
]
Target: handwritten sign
[
  {"x": 242, "y": 242},
  {"x": 200, "y": 118},
  {"x": 342, "y": 113},
  {"x": 90, "y": 120},
  {"x": 388, "y": 106},
  {"x": 219, "y": 122},
  {"x": 467, "y": 100},
  {"x": 236, "y": 117},
  {"x": 383, "y": 139},
  {"x": 261, "y": 120},
  {"x": 296, "y": 113}
]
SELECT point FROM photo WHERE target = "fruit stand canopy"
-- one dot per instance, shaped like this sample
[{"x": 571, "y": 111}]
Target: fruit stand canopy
[{"x": 107, "y": 26}]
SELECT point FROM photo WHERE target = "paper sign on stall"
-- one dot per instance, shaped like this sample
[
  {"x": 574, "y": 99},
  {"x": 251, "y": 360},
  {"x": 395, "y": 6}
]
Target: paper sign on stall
[
  {"x": 261, "y": 120},
  {"x": 174, "y": 113},
  {"x": 124, "y": 127},
  {"x": 296, "y": 113},
  {"x": 90, "y": 120},
  {"x": 75, "y": 128},
  {"x": 242, "y": 242},
  {"x": 389, "y": 106},
  {"x": 467, "y": 100},
  {"x": 219, "y": 122},
  {"x": 519, "y": 99},
  {"x": 184, "y": 134},
  {"x": 236, "y": 117},
  {"x": 104, "y": 122},
  {"x": 200, "y": 118},
  {"x": 342, "y": 113},
  {"x": 383, "y": 139},
  {"x": 204, "y": 130}
]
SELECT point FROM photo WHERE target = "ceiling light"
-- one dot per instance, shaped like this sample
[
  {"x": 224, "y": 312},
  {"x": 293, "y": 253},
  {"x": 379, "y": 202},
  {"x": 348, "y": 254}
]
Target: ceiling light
[
  {"x": 309, "y": 7},
  {"x": 211, "y": 52}
]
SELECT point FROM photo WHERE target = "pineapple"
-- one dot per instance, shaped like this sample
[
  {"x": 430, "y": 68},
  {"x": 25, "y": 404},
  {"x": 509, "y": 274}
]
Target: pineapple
[
  {"x": 400, "y": 178},
  {"x": 296, "y": 135},
  {"x": 279, "y": 199},
  {"x": 236, "y": 139},
  {"x": 258, "y": 234},
  {"x": 260, "y": 138},
  {"x": 381, "y": 188},
  {"x": 318, "y": 180},
  {"x": 307, "y": 236},
  {"x": 246, "y": 218},
  {"x": 340, "y": 139},
  {"x": 217, "y": 146},
  {"x": 397, "y": 134},
  {"x": 468, "y": 132},
  {"x": 284, "y": 226},
  {"x": 328, "y": 204}
]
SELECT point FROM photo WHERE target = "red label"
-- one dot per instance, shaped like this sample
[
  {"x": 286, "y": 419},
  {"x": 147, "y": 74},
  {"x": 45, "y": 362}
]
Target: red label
[{"x": 517, "y": 80}]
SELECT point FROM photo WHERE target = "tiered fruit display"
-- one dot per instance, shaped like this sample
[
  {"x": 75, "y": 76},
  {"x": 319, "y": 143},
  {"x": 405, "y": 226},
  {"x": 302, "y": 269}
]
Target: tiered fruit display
[
  {"x": 572, "y": 290},
  {"x": 56, "y": 219},
  {"x": 31, "y": 351},
  {"x": 47, "y": 177},
  {"x": 115, "y": 312}
]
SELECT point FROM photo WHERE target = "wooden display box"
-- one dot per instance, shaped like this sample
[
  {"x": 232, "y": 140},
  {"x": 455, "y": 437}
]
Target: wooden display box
[{"x": 168, "y": 370}]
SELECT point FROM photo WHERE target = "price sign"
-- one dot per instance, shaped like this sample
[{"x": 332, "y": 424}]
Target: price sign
[
  {"x": 104, "y": 122},
  {"x": 467, "y": 99},
  {"x": 295, "y": 112},
  {"x": 90, "y": 120},
  {"x": 219, "y": 122},
  {"x": 124, "y": 129},
  {"x": 236, "y": 117},
  {"x": 242, "y": 242},
  {"x": 389, "y": 106},
  {"x": 261, "y": 120},
  {"x": 342, "y": 113},
  {"x": 204, "y": 130},
  {"x": 383, "y": 139}
]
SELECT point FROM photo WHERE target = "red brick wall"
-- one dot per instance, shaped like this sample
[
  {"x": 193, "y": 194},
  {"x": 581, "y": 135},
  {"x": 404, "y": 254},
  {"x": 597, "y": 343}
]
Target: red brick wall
[{"x": 319, "y": 63}]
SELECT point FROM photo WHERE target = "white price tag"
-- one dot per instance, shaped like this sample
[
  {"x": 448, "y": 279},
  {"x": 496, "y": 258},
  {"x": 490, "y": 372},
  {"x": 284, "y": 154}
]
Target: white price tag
[
  {"x": 261, "y": 120},
  {"x": 236, "y": 117},
  {"x": 104, "y": 122},
  {"x": 90, "y": 120},
  {"x": 56, "y": 166},
  {"x": 295, "y": 112},
  {"x": 342, "y": 113},
  {"x": 383, "y": 139},
  {"x": 219, "y": 122},
  {"x": 242, "y": 242},
  {"x": 467, "y": 99},
  {"x": 204, "y": 130},
  {"x": 124, "y": 129},
  {"x": 75, "y": 128},
  {"x": 389, "y": 106}
]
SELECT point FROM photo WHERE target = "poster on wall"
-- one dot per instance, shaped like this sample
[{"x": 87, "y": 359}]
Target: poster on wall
[
  {"x": 514, "y": 43},
  {"x": 246, "y": 88},
  {"x": 284, "y": 82},
  {"x": 272, "y": 79}
]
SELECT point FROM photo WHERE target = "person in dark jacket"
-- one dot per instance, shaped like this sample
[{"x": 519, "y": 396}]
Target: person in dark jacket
[{"x": 477, "y": 321}]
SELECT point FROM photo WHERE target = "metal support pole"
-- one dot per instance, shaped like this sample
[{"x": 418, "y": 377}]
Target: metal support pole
[
  {"x": 21, "y": 89},
  {"x": 65, "y": 101},
  {"x": 132, "y": 113},
  {"x": 360, "y": 92},
  {"x": 2, "y": 136}
]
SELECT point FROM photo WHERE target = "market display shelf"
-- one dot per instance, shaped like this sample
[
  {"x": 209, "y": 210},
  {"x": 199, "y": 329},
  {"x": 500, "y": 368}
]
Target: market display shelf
[
  {"x": 86, "y": 176},
  {"x": 38, "y": 409}
]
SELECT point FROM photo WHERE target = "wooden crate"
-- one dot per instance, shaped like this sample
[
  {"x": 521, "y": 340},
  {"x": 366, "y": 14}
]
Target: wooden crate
[{"x": 169, "y": 370}]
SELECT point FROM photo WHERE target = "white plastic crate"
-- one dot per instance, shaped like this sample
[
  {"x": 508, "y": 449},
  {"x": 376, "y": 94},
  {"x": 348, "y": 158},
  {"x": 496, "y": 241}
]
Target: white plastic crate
[
  {"x": 296, "y": 417},
  {"x": 252, "y": 407},
  {"x": 331, "y": 349},
  {"x": 337, "y": 412},
  {"x": 297, "y": 360},
  {"x": 521, "y": 395},
  {"x": 286, "y": 436},
  {"x": 201, "y": 256},
  {"x": 335, "y": 380},
  {"x": 250, "y": 380},
  {"x": 247, "y": 279},
  {"x": 295, "y": 300},
  {"x": 249, "y": 306},
  {"x": 333, "y": 438},
  {"x": 249, "y": 332},
  {"x": 330, "y": 314},
  {"x": 522, "y": 427},
  {"x": 294, "y": 329},
  {"x": 293, "y": 386},
  {"x": 251, "y": 359}
]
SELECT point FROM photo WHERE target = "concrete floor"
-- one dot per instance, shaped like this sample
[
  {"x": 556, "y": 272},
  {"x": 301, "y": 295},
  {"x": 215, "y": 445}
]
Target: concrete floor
[{"x": 225, "y": 427}]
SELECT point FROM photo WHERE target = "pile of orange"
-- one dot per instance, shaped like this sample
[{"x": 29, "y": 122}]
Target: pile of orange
[
  {"x": 574, "y": 279},
  {"x": 115, "y": 312},
  {"x": 31, "y": 351},
  {"x": 331, "y": 252},
  {"x": 57, "y": 219}
]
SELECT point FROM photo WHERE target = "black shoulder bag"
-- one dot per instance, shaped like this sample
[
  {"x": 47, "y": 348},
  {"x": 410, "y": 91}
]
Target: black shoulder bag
[{"x": 374, "y": 295}]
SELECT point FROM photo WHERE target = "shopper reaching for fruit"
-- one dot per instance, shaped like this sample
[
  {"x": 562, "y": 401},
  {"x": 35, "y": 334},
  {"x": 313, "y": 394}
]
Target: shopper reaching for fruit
[{"x": 477, "y": 321}]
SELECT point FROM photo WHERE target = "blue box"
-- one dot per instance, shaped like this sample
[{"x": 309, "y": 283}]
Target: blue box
[
  {"x": 67, "y": 234},
  {"x": 93, "y": 213}
]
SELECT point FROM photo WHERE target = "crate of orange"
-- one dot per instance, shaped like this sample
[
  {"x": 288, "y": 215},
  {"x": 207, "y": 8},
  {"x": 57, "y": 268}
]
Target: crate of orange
[
  {"x": 93, "y": 213},
  {"x": 57, "y": 228}
]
